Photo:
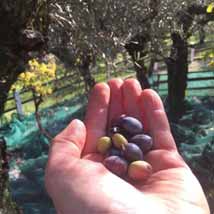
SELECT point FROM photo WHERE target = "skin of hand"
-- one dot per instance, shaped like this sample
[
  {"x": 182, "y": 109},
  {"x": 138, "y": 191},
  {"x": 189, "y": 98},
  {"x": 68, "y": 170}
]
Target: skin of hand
[{"x": 77, "y": 181}]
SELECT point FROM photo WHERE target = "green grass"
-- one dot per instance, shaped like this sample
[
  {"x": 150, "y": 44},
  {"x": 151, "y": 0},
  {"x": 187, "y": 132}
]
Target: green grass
[
  {"x": 69, "y": 93},
  {"x": 122, "y": 70}
]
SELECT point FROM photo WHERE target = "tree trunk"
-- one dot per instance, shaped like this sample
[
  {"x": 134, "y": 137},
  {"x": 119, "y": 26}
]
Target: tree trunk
[
  {"x": 202, "y": 35},
  {"x": 12, "y": 69},
  {"x": 85, "y": 72},
  {"x": 141, "y": 74},
  {"x": 177, "y": 66},
  {"x": 151, "y": 66},
  {"x": 37, "y": 102},
  {"x": 137, "y": 44},
  {"x": 4, "y": 89},
  {"x": 136, "y": 49}
]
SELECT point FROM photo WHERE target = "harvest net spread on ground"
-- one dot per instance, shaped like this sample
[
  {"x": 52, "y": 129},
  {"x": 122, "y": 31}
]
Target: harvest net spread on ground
[
  {"x": 29, "y": 150},
  {"x": 194, "y": 133}
]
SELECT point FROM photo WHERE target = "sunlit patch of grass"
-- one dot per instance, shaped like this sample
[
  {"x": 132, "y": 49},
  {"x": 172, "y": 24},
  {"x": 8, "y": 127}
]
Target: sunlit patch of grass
[{"x": 69, "y": 93}]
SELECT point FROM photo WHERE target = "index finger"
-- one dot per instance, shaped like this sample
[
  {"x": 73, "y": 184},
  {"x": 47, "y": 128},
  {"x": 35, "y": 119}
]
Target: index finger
[
  {"x": 96, "y": 116},
  {"x": 116, "y": 100}
]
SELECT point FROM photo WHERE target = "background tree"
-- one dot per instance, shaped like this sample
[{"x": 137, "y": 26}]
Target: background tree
[
  {"x": 24, "y": 26},
  {"x": 83, "y": 31},
  {"x": 190, "y": 18},
  {"x": 97, "y": 28},
  {"x": 37, "y": 79}
]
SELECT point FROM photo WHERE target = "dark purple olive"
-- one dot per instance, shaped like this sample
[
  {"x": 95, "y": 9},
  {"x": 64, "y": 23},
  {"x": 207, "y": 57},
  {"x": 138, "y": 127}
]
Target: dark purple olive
[
  {"x": 143, "y": 141},
  {"x": 125, "y": 133},
  {"x": 116, "y": 121},
  {"x": 131, "y": 125},
  {"x": 114, "y": 152},
  {"x": 120, "y": 119},
  {"x": 132, "y": 152},
  {"x": 117, "y": 165}
]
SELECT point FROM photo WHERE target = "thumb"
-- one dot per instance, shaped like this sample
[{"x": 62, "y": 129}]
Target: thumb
[
  {"x": 68, "y": 144},
  {"x": 65, "y": 150},
  {"x": 70, "y": 141}
]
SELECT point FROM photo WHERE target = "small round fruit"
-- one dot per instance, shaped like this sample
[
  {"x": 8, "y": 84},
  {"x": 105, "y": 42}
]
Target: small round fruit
[
  {"x": 117, "y": 165},
  {"x": 143, "y": 141},
  {"x": 132, "y": 152},
  {"x": 119, "y": 120},
  {"x": 139, "y": 170},
  {"x": 119, "y": 141},
  {"x": 104, "y": 144},
  {"x": 131, "y": 125},
  {"x": 114, "y": 151},
  {"x": 125, "y": 134}
]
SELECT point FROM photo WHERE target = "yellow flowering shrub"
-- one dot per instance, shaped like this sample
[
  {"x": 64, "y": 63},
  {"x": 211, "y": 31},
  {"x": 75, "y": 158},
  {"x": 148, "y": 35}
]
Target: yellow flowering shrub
[
  {"x": 211, "y": 57},
  {"x": 37, "y": 77}
]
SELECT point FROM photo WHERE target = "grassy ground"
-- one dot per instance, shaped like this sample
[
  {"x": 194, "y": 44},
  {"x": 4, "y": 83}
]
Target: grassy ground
[
  {"x": 100, "y": 75},
  {"x": 76, "y": 88}
]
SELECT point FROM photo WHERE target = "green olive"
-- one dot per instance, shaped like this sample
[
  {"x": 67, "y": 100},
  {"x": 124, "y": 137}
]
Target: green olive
[
  {"x": 119, "y": 141},
  {"x": 104, "y": 144}
]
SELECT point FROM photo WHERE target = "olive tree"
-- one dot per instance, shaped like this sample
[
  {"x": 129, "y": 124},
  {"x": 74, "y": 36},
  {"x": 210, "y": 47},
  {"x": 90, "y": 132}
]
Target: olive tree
[
  {"x": 23, "y": 34},
  {"x": 82, "y": 31},
  {"x": 177, "y": 20},
  {"x": 189, "y": 18},
  {"x": 95, "y": 29}
]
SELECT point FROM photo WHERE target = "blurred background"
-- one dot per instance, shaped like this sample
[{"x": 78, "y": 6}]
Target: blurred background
[{"x": 53, "y": 52}]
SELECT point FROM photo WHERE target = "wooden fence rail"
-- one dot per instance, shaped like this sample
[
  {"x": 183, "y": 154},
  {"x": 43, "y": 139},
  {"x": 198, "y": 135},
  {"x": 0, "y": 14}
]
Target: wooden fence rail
[
  {"x": 155, "y": 84},
  {"x": 17, "y": 94},
  {"x": 67, "y": 77}
]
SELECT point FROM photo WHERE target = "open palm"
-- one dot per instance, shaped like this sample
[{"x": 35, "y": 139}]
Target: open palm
[{"x": 78, "y": 182}]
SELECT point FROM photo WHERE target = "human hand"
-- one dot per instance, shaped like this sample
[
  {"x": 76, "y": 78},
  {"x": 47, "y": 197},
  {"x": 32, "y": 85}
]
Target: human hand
[{"x": 78, "y": 182}]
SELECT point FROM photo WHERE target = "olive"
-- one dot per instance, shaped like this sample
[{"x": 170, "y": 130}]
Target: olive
[
  {"x": 116, "y": 165},
  {"x": 131, "y": 125},
  {"x": 119, "y": 141},
  {"x": 132, "y": 152},
  {"x": 125, "y": 133},
  {"x": 119, "y": 120},
  {"x": 104, "y": 144},
  {"x": 143, "y": 141},
  {"x": 114, "y": 151},
  {"x": 139, "y": 170}
]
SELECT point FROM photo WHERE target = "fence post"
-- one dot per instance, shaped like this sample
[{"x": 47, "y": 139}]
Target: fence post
[
  {"x": 18, "y": 101},
  {"x": 192, "y": 55}
]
